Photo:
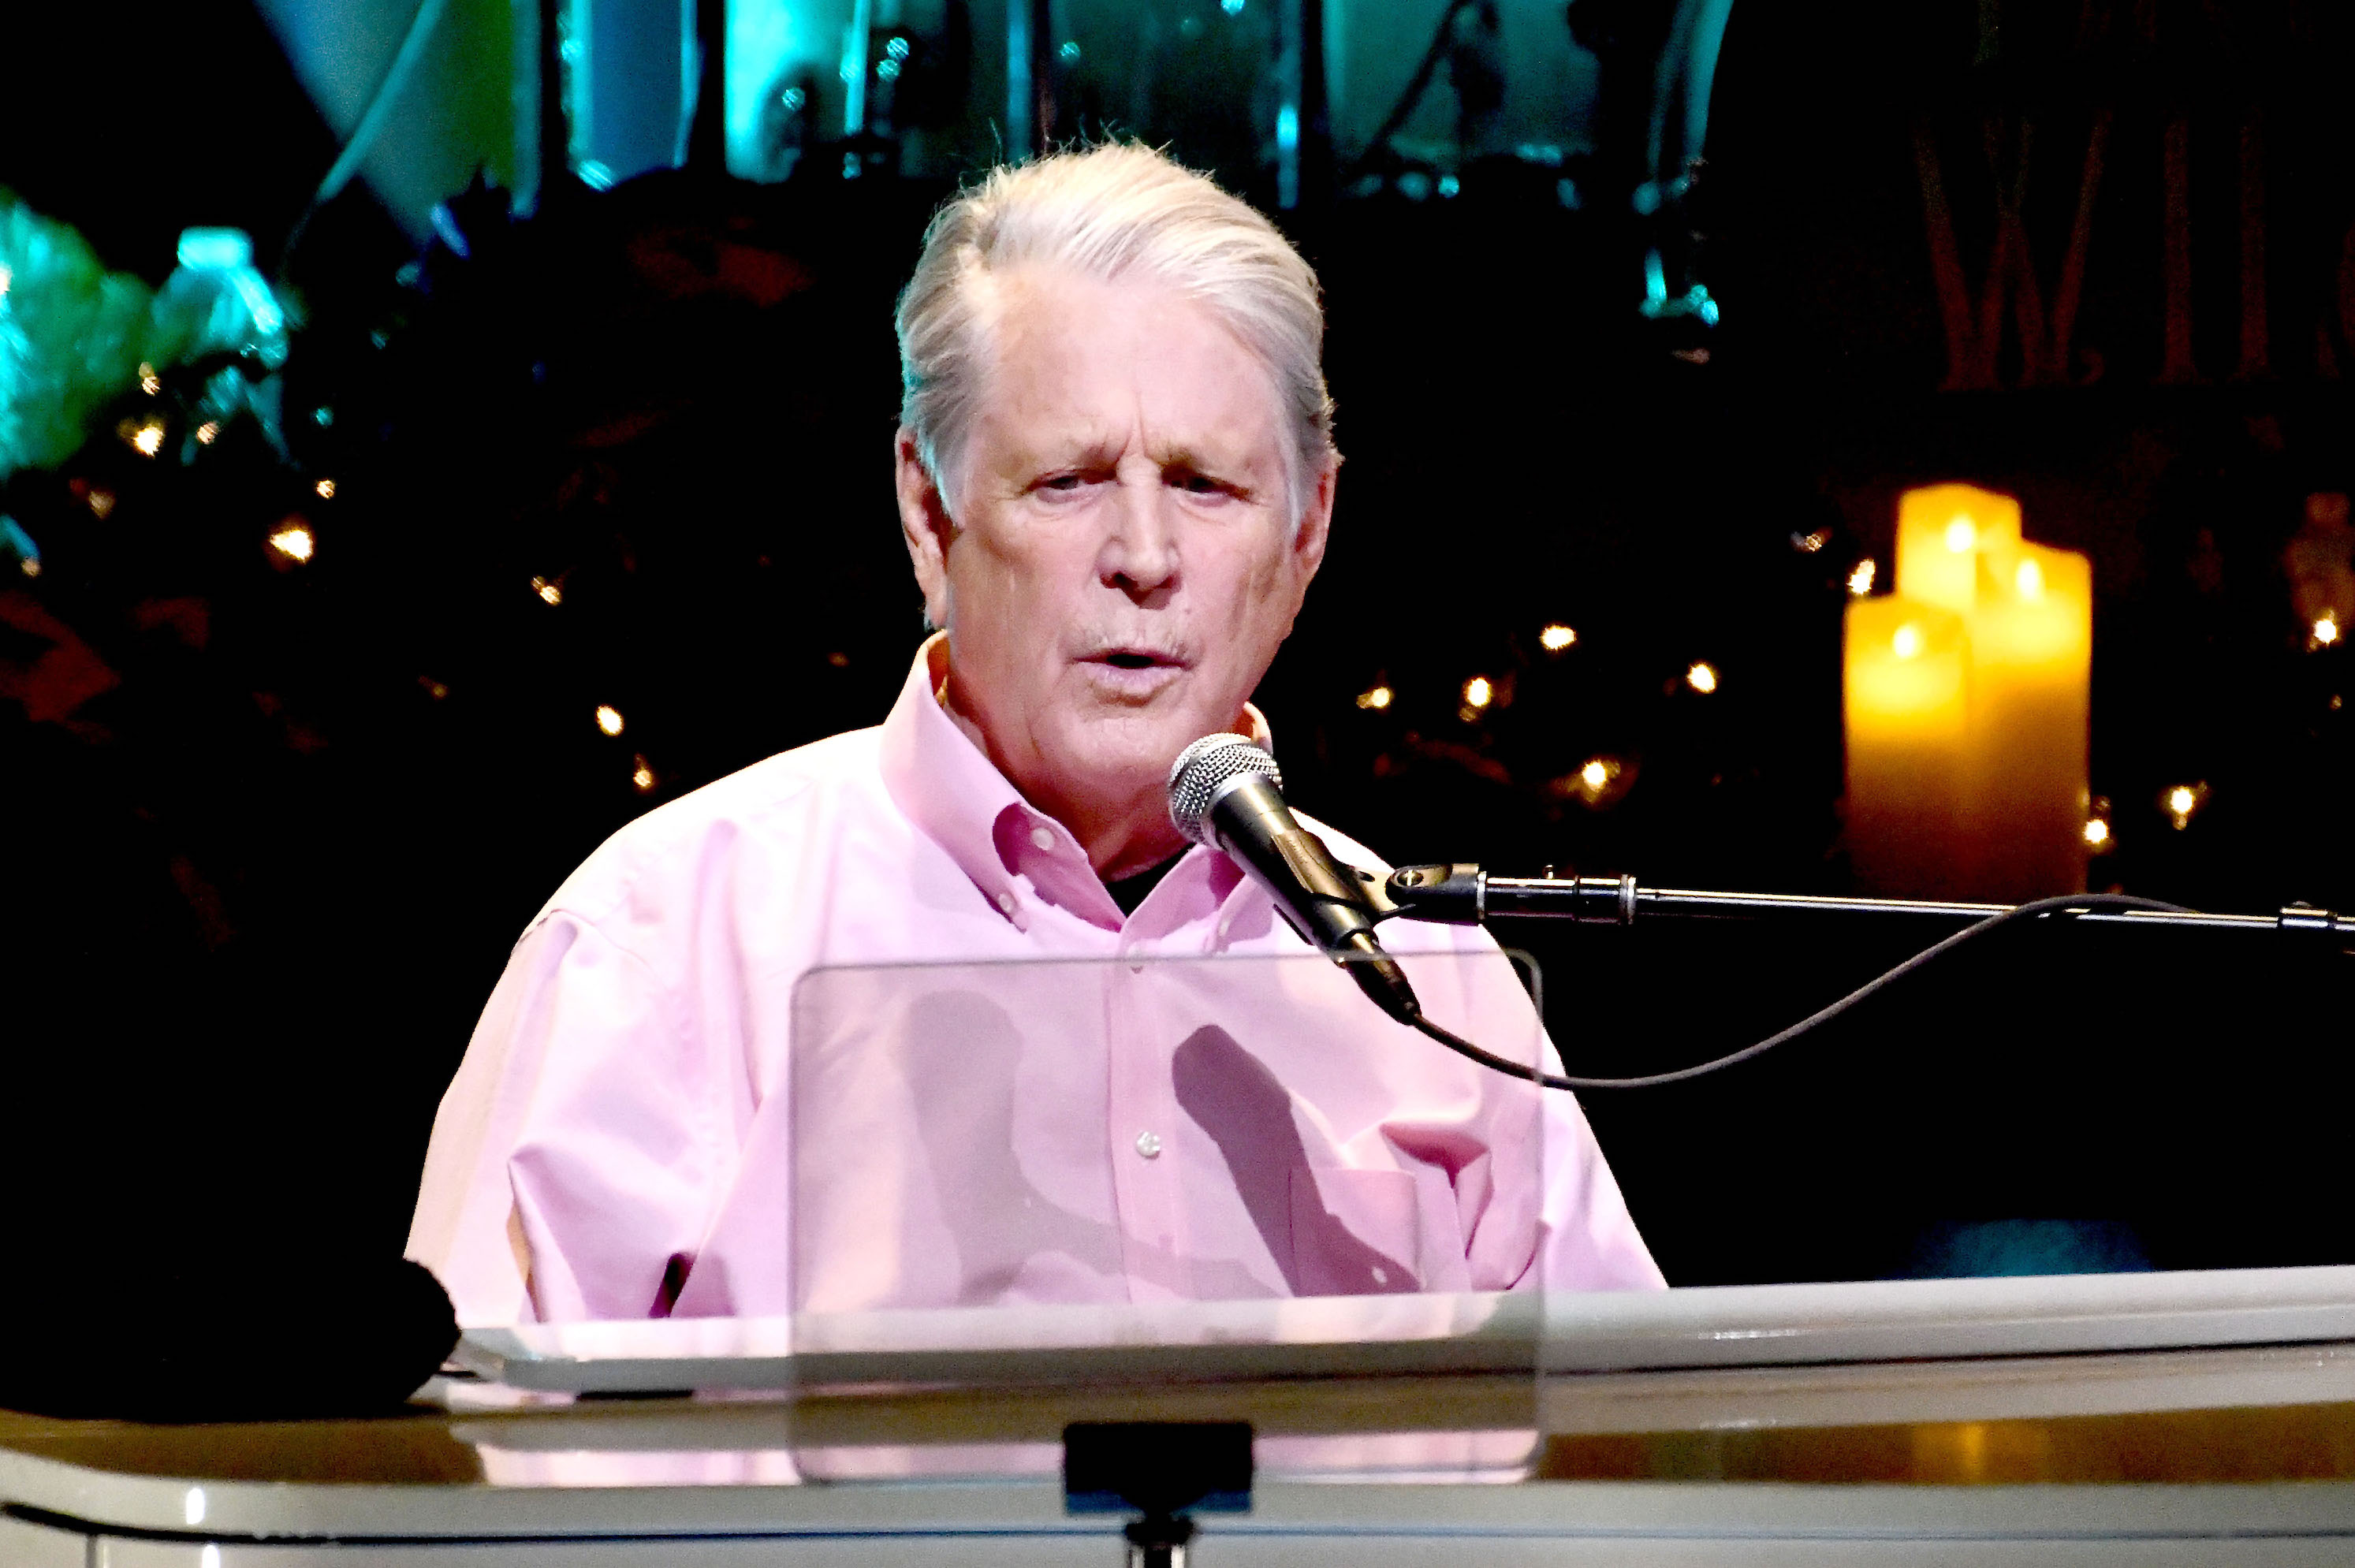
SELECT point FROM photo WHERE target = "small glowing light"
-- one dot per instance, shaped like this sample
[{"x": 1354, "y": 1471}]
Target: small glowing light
[
  {"x": 1068, "y": 52},
  {"x": 643, "y": 776},
  {"x": 295, "y": 542},
  {"x": 897, "y": 48},
  {"x": 1702, "y": 677},
  {"x": 2180, "y": 800},
  {"x": 326, "y": 489},
  {"x": 548, "y": 591},
  {"x": 1907, "y": 643},
  {"x": 1860, "y": 582},
  {"x": 209, "y": 432},
  {"x": 1595, "y": 773},
  {"x": 29, "y": 567},
  {"x": 1556, "y": 637},
  {"x": 2028, "y": 579},
  {"x": 435, "y": 689},
  {"x": 838, "y": 659},
  {"x": 1961, "y": 536},
  {"x": 2326, "y": 630},
  {"x": 1811, "y": 543},
  {"x": 2097, "y": 832},
  {"x": 1478, "y": 693},
  {"x": 148, "y": 438},
  {"x": 150, "y": 382},
  {"x": 102, "y": 503},
  {"x": 1232, "y": 7},
  {"x": 192, "y": 1508},
  {"x": 1377, "y": 698},
  {"x": 609, "y": 719}
]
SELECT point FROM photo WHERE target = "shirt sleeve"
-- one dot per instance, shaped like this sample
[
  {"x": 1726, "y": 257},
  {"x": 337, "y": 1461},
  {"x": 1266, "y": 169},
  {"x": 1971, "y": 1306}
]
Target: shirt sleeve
[
  {"x": 1586, "y": 1238},
  {"x": 572, "y": 1160}
]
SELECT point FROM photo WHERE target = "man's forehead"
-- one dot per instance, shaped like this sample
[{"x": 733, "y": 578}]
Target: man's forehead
[{"x": 1072, "y": 367}]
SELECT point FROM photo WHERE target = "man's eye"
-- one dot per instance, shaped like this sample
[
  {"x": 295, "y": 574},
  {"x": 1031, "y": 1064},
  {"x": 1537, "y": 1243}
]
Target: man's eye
[{"x": 1201, "y": 485}]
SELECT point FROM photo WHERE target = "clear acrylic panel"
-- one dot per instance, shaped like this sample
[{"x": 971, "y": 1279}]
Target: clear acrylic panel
[{"x": 1155, "y": 1171}]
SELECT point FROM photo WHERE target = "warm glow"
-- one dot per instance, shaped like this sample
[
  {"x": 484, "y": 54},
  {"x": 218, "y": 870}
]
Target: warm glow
[
  {"x": 1556, "y": 637},
  {"x": 2326, "y": 630},
  {"x": 1860, "y": 582},
  {"x": 1907, "y": 643},
  {"x": 102, "y": 502},
  {"x": 1961, "y": 535},
  {"x": 29, "y": 567},
  {"x": 1477, "y": 692},
  {"x": 1702, "y": 677},
  {"x": 609, "y": 719},
  {"x": 1808, "y": 544},
  {"x": 326, "y": 489},
  {"x": 644, "y": 777},
  {"x": 1379, "y": 697},
  {"x": 2097, "y": 832},
  {"x": 149, "y": 382},
  {"x": 149, "y": 437},
  {"x": 294, "y": 541},
  {"x": 207, "y": 433},
  {"x": 1595, "y": 773},
  {"x": 2028, "y": 579},
  {"x": 548, "y": 591},
  {"x": 2180, "y": 800}
]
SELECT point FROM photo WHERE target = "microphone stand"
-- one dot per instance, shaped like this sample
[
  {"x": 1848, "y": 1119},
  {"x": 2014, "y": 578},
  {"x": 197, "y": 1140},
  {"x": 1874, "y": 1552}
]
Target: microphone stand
[{"x": 1461, "y": 894}]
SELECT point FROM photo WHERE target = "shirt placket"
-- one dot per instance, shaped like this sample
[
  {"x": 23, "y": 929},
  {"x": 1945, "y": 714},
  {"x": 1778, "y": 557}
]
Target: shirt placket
[{"x": 1140, "y": 1129}]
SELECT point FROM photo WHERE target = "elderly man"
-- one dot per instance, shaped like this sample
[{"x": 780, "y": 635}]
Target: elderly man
[{"x": 1115, "y": 477}]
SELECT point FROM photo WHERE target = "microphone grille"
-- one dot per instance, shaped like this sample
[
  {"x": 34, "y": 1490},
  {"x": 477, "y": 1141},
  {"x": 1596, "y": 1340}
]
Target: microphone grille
[{"x": 1201, "y": 769}]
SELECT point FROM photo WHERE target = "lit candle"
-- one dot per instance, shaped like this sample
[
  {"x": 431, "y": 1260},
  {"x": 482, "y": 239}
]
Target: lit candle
[
  {"x": 1907, "y": 714},
  {"x": 2031, "y": 641},
  {"x": 1942, "y": 530}
]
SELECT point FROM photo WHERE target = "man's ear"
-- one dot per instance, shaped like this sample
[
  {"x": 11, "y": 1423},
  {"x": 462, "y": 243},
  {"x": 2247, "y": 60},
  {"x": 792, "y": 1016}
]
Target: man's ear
[
  {"x": 1317, "y": 520},
  {"x": 924, "y": 525}
]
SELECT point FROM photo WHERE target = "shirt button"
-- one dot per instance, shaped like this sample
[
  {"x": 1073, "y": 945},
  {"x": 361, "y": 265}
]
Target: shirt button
[
  {"x": 1006, "y": 903},
  {"x": 1043, "y": 836},
  {"x": 1149, "y": 1145}
]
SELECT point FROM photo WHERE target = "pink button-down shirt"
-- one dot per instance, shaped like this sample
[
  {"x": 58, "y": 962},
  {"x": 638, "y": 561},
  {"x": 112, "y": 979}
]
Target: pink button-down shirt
[{"x": 684, "y": 1096}]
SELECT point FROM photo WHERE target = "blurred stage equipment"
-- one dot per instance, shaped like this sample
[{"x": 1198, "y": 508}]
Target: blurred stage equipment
[{"x": 1966, "y": 706}]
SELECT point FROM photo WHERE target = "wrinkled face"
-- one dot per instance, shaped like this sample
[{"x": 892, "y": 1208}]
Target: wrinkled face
[{"x": 1120, "y": 562}]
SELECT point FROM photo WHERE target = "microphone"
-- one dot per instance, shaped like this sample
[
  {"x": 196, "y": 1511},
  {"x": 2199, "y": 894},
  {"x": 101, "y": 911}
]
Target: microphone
[{"x": 1228, "y": 794}]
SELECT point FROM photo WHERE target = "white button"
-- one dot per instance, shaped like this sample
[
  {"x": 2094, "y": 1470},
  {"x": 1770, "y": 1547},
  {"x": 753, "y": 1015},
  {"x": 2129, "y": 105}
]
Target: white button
[
  {"x": 1149, "y": 1145},
  {"x": 1043, "y": 836},
  {"x": 1006, "y": 903}
]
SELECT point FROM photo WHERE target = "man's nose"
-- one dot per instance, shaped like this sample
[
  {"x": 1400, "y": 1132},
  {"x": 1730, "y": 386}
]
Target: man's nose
[{"x": 1140, "y": 552}]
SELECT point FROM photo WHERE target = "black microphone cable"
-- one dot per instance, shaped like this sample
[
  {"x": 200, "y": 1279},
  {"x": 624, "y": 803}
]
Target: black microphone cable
[{"x": 2037, "y": 909}]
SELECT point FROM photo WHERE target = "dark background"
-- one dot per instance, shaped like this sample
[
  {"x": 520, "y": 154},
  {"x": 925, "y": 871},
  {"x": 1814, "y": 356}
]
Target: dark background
[{"x": 256, "y": 891}]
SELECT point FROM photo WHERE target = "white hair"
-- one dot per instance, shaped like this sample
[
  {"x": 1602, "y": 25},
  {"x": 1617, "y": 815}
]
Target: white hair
[{"x": 1109, "y": 212}]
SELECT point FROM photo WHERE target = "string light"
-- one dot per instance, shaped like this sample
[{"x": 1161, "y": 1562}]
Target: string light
[
  {"x": 326, "y": 489},
  {"x": 1377, "y": 697},
  {"x": 433, "y": 688},
  {"x": 2182, "y": 802},
  {"x": 30, "y": 566},
  {"x": 1702, "y": 677},
  {"x": 609, "y": 719},
  {"x": 2326, "y": 629},
  {"x": 145, "y": 437},
  {"x": 207, "y": 433},
  {"x": 1478, "y": 692},
  {"x": 1860, "y": 582},
  {"x": 102, "y": 503},
  {"x": 149, "y": 382},
  {"x": 295, "y": 542},
  {"x": 1811, "y": 543},
  {"x": 1556, "y": 637},
  {"x": 643, "y": 776},
  {"x": 2097, "y": 833},
  {"x": 548, "y": 591},
  {"x": 1595, "y": 773}
]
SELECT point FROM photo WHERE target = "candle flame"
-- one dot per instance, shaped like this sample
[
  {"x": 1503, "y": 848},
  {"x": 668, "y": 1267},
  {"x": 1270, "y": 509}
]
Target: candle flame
[
  {"x": 1961, "y": 535},
  {"x": 1907, "y": 643}
]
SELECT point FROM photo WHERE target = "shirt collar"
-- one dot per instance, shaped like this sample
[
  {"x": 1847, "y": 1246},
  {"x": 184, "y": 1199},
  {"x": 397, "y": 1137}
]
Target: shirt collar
[{"x": 1016, "y": 854}]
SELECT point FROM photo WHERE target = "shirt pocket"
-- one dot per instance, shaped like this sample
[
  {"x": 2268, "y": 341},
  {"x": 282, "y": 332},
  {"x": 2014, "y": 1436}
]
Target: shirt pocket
[{"x": 1354, "y": 1233}]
